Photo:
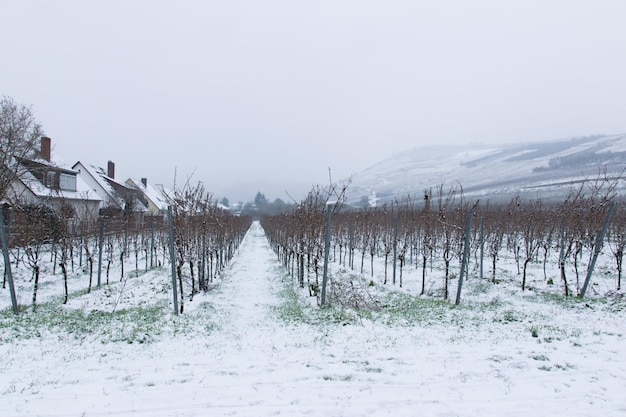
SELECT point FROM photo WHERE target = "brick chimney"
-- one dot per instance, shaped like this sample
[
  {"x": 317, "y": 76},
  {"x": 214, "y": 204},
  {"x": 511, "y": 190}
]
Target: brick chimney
[
  {"x": 46, "y": 148},
  {"x": 111, "y": 170},
  {"x": 144, "y": 181}
]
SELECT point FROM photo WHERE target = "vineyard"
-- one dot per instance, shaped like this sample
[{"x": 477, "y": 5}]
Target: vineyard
[
  {"x": 433, "y": 242},
  {"x": 312, "y": 209},
  {"x": 427, "y": 245},
  {"x": 256, "y": 331},
  {"x": 197, "y": 243}
]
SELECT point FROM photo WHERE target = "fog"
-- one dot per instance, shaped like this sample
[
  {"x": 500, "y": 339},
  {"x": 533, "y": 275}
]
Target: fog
[{"x": 278, "y": 93}]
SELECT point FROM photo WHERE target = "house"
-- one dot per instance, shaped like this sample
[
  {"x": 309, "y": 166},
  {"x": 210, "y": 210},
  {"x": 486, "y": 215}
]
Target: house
[
  {"x": 42, "y": 182},
  {"x": 151, "y": 197},
  {"x": 117, "y": 198}
]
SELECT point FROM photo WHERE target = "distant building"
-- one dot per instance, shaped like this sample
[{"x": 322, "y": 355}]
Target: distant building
[
  {"x": 42, "y": 182},
  {"x": 118, "y": 199},
  {"x": 236, "y": 208},
  {"x": 151, "y": 197}
]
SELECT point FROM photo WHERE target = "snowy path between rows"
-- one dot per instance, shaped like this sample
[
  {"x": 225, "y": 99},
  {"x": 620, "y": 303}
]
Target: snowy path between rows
[{"x": 249, "y": 362}]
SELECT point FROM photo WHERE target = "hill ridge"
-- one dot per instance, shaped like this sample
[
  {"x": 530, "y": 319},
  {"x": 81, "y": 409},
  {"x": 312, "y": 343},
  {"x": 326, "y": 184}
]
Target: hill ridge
[{"x": 546, "y": 169}]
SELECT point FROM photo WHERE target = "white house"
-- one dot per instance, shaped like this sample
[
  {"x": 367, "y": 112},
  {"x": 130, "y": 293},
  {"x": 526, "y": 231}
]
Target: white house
[
  {"x": 151, "y": 197},
  {"x": 117, "y": 198},
  {"x": 42, "y": 182}
]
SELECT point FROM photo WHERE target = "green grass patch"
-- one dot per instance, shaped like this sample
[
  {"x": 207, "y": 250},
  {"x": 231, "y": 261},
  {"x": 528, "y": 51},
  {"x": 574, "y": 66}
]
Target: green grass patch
[
  {"x": 136, "y": 325},
  {"x": 291, "y": 309},
  {"x": 296, "y": 308},
  {"x": 403, "y": 308}
]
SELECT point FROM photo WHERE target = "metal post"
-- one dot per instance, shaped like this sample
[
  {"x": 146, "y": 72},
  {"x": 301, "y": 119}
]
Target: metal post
[
  {"x": 596, "y": 252},
  {"x": 80, "y": 246},
  {"x": 152, "y": 243},
  {"x": 326, "y": 251},
  {"x": 468, "y": 232},
  {"x": 482, "y": 245},
  {"x": 7, "y": 262},
  {"x": 395, "y": 244},
  {"x": 204, "y": 255},
  {"x": 301, "y": 262},
  {"x": 351, "y": 233},
  {"x": 100, "y": 244},
  {"x": 172, "y": 258}
]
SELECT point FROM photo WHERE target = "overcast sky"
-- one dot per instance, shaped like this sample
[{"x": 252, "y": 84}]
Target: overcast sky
[{"x": 282, "y": 91}]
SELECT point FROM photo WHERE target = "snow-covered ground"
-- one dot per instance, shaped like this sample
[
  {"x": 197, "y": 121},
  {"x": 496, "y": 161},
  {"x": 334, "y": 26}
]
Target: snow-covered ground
[{"x": 257, "y": 345}]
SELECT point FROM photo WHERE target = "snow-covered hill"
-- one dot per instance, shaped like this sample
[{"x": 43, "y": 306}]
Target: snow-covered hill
[{"x": 548, "y": 169}]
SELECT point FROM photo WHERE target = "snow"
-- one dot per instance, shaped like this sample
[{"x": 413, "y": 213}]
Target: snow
[
  {"x": 257, "y": 345},
  {"x": 489, "y": 171},
  {"x": 38, "y": 189}
]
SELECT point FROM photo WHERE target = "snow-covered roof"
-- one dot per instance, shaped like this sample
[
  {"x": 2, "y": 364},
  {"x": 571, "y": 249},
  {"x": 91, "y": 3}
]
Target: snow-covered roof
[
  {"x": 150, "y": 192},
  {"x": 105, "y": 182},
  {"x": 82, "y": 192}
]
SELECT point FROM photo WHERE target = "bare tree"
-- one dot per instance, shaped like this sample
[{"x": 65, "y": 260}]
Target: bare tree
[
  {"x": 447, "y": 228},
  {"x": 20, "y": 133},
  {"x": 37, "y": 226},
  {"x": 531, "y": 234},
  {"x": 428, "y": 235}
]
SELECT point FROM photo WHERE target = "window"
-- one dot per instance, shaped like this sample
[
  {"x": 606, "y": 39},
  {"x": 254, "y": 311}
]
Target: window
[
  {"x": 50, "y": 180},
  {"x": 67, "y": 182}
]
